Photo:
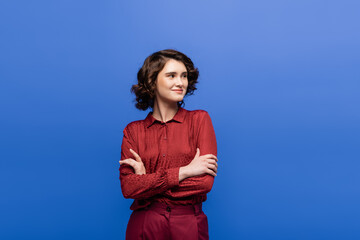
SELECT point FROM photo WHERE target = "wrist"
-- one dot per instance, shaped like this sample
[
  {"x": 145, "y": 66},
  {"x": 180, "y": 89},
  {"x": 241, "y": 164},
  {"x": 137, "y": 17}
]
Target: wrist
[{"x": 183, "y": 173}]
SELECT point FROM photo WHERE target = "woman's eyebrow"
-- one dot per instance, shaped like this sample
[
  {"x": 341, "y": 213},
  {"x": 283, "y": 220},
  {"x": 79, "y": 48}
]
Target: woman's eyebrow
[
  {"x": 174, "y": 73},
  {"x": 171, "y": 73}
]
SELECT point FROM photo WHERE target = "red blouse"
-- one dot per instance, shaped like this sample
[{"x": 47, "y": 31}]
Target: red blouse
[{"x": 164, "y": 147}]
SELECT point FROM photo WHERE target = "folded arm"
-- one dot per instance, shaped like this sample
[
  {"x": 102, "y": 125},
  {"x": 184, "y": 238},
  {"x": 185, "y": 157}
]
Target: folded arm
[
  {"x": 147, "y": 185},
  {"x": 200, "y": 184}
]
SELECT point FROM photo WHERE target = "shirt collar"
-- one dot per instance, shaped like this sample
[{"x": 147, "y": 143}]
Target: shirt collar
[{"x": 179, "y": 117}]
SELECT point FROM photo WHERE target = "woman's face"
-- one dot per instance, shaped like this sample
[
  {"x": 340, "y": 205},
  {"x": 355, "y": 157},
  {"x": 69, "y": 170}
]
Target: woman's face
[{"x": 171, "y": 82}]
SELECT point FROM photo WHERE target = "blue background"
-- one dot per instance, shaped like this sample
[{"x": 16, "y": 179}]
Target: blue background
[{"x": 280, "y": 80}]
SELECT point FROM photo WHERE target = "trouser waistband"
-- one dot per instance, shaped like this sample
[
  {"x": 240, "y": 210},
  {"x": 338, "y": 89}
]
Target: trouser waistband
[{"x": 175, "y": 209}]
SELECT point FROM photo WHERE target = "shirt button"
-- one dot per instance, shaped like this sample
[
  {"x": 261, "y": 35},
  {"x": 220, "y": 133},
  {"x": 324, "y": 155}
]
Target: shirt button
[
  {"x": 165, "y": 138},
  {"x": 163, "y": 155},
  {"x": 168, "y": 209}
]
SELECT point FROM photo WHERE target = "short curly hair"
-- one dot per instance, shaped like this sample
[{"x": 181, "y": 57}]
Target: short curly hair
[{"x": 147, "y": 75}]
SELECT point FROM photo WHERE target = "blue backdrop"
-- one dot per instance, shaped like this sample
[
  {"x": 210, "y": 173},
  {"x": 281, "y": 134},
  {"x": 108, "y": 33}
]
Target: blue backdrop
[{"x": 280, "y": 80}]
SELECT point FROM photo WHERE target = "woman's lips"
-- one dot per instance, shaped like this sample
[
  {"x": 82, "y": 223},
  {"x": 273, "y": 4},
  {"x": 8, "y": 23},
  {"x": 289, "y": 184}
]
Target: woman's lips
[{"x": 178, "y": 91}]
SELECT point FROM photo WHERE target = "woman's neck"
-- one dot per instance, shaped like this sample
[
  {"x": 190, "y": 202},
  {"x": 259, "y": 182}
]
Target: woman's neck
[{"x": 164, "y": 112}]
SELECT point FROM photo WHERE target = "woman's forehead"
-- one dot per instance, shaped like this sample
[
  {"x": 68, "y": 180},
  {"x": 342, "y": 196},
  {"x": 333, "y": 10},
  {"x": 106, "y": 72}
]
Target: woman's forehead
[{"x": 174, "y": 66}]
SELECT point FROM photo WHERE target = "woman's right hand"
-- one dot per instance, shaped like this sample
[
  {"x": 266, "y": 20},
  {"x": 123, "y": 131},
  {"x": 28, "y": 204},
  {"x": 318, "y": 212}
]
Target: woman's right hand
[
  {"x": 136, "y": 164},
  {"x": 199, "y": 165}
]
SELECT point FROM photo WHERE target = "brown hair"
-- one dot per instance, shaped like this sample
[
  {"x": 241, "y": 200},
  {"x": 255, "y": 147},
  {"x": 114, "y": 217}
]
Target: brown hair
[{"x": 147, "y": 75}]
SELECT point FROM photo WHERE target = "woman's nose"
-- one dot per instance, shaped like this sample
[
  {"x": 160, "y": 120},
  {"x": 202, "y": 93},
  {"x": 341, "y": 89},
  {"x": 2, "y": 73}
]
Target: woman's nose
[{"x": 178, "y": 81}]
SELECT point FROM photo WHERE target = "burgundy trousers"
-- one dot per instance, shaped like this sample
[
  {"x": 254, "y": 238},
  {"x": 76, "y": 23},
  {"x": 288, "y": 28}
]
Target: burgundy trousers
[{"x": 168, "y": 222}]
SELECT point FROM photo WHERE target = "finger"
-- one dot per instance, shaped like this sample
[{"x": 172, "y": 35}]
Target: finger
[
  {"x": 212, "y": 173},
  {"x": 212, "y": 161},
  {"x": 211, "y": 156},
  {"x": 125, "y": 161},
  {"x": 212, "y": 167},
  {"x": 128, "y": 161},
  {"x": 215, "y": 157},
  {"x": 197, "y": 152},
  {"x": 137, "y": 157}
]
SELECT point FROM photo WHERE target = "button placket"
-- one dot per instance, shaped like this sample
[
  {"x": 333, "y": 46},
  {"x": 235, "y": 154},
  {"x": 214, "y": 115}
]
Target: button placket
[
  {"x": 164, "y": 142},
  {"x": 165, "y": 132}
]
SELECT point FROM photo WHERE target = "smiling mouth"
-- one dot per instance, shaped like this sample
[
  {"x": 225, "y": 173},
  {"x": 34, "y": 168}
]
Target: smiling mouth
[{"x": 178, "y": 91}]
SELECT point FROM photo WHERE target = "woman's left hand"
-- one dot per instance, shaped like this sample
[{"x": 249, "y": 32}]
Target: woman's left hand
[{"x": 136, "y": 164}]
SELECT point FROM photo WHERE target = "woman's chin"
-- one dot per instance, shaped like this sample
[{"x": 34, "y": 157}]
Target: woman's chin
[{"x": 178, "y": 99}]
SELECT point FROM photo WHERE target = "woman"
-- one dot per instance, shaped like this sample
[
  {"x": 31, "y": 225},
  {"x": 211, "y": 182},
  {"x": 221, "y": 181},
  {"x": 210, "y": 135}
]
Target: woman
[{"x": 168, "y": 160}]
